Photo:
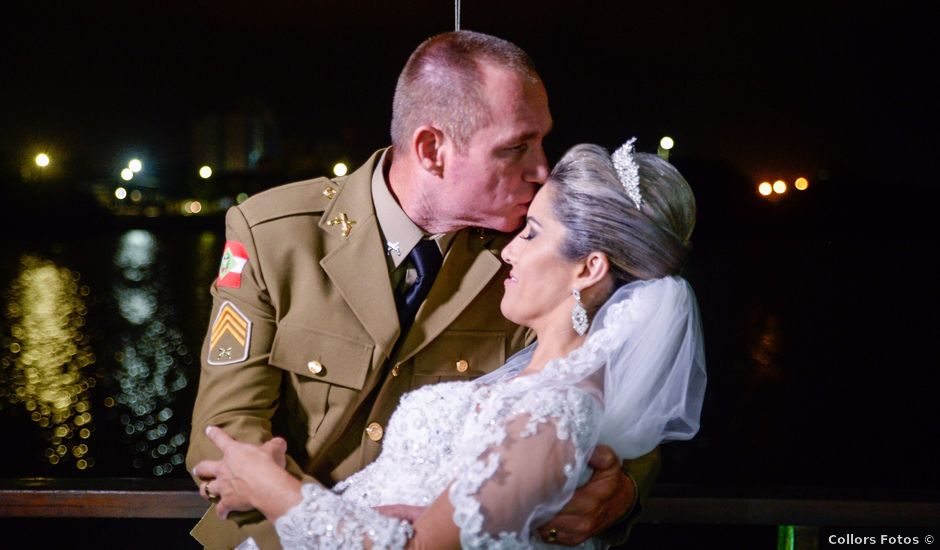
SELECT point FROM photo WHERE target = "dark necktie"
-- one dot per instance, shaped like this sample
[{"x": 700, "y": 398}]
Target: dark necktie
[{"x": 426, "y": 257}]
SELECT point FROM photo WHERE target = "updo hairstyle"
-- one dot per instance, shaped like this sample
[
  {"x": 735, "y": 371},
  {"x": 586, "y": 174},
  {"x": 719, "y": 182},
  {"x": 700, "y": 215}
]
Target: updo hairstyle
[{"x": 590, "y": 201}]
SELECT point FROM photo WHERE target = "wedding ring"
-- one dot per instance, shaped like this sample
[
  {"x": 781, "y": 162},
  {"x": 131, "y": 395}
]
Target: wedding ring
[
  {"x": 209, "y": 495},
  {"x": 552, "y": 535}
]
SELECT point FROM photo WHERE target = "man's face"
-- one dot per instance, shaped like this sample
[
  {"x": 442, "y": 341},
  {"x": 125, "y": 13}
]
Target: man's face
[{"x": 492, "y": 180}]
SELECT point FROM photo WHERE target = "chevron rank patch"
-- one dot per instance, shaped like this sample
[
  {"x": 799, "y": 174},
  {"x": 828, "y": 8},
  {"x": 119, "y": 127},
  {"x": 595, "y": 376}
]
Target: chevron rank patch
[
  {"x": 229, "y": 337},
  {"x": 234, "y": 258}
]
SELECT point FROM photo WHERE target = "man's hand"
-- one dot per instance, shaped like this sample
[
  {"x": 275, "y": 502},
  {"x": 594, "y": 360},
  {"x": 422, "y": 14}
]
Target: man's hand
[{"x": 607, "y": 497}]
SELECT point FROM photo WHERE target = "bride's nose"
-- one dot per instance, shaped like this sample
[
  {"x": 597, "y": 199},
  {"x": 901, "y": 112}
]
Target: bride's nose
[{"x": 506, "y": 253}]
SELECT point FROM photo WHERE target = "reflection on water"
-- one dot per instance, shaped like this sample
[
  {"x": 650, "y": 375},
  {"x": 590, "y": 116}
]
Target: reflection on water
[
  {"x": 766, "y": 348},
  {"x": 45, "y": 358},
  {"x": 150, "y": 354}
]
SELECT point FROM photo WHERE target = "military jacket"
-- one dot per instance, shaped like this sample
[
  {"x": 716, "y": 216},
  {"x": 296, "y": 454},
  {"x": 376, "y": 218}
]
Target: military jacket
[{"x": 304, "y": 339}]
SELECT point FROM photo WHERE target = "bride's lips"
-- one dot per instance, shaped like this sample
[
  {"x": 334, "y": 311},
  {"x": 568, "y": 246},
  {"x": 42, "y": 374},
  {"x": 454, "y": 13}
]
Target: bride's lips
[{"x": 510, "y": 279}]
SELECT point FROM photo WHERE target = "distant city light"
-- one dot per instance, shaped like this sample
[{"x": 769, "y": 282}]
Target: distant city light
[
  {"x": 241, "y": 197},
  {"x": 780, "y": 187},
  {"x": 135, "y": 165},
  {"x": 120, "y": 193},
  {"x": 667, "y": 143},
  {"x": 205, "y": 172},
  {"x": 127, "y": 174},
  {"x": 136, "y": 195},
  {"x": 340, "y": 169},
  {"x": 42, "y": 160},
  {"x": 801, "y": 183},
  {"x": 765, "y": 188}
]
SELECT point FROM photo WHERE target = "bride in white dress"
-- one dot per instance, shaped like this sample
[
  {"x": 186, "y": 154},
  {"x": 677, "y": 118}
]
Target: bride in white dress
[{"x": 619, "y": 361}]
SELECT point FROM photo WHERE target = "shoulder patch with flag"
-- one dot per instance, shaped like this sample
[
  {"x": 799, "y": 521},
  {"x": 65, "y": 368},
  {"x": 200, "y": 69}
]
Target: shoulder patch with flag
[
  {"x": 234, "y": 259},
  {"x": 229, "y": 337}
]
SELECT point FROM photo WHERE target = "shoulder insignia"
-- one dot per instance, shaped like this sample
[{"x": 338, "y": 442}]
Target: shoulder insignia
[
  {"x": 234, "y": 259},
  {"x": 229, "y": 337}
]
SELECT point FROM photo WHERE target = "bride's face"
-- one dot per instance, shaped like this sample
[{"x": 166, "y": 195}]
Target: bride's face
[{"x": 538, "y": 290}]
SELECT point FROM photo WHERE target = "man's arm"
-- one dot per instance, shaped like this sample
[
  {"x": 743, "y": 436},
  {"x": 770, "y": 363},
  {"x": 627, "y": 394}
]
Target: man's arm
[
  {"x": 610, "y": 502},
  {"x": 238, "y": 390}
]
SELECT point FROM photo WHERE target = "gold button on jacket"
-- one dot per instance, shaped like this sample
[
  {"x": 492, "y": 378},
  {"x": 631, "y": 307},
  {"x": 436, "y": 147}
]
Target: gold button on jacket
[{"x": 375, "y": 431}]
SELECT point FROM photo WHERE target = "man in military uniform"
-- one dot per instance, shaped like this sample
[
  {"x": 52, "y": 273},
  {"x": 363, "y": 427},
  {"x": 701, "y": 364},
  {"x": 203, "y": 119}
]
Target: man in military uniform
[{"x": 335, "y": 297}]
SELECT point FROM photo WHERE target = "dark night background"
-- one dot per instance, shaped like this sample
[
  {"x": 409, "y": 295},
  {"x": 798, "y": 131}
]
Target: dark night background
[{"x": 819, "y": 307}]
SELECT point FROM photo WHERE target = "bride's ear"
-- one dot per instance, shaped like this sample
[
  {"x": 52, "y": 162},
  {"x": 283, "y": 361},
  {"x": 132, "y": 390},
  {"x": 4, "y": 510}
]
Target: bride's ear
[{"x": 594, "y": 269}]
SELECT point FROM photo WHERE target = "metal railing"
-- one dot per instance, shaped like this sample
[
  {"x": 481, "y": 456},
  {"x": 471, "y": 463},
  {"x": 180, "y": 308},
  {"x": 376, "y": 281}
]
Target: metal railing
[{"x": 670, "y": 504}]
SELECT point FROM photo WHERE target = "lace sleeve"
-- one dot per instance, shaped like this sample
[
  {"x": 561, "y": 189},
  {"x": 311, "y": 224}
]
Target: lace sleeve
[
  {"x": 323, "y": 520},
  {"x": 526, "y": 458}
]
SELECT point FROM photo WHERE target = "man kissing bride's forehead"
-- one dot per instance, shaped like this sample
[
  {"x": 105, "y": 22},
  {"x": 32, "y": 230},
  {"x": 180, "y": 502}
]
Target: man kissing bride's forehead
[{"x": 352, "y": 291}]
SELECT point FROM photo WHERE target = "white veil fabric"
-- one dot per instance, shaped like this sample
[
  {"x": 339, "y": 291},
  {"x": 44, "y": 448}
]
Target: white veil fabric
[
  {"x": 644, "y": 358},
  {"x": 654, "y": 367}
]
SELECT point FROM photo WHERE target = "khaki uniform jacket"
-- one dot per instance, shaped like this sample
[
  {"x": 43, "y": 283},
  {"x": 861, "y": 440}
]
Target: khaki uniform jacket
[{"x": 323, "y": 366}]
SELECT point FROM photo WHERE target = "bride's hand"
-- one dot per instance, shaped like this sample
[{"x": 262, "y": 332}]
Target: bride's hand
[
  {"x": 244, "y": 474},
  {"x": 402, "y": 511}
]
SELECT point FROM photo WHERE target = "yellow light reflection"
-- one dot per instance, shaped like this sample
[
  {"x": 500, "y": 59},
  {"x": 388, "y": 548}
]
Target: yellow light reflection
[
  {"x": 801, "y": 184},
  {"x": 340, "y": 169},
  {"x": 205, "y": 172},
  {"x": 765, "y": 188},
  {"x": 42, "y": 160},
  {"x": 780, "y": 187},
  {"x": 45, "y": 313}
]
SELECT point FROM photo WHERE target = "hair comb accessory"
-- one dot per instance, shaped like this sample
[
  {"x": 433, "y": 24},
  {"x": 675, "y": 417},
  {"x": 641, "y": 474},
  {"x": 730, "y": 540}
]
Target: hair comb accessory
[{"x": 628, "y": 171}]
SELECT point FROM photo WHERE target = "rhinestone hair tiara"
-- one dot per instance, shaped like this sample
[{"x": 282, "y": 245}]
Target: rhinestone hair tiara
[{"x": 628, "y": 171}]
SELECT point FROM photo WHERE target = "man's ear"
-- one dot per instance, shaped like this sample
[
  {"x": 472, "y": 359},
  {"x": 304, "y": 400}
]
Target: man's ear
[{"x": 428, "y": 145}]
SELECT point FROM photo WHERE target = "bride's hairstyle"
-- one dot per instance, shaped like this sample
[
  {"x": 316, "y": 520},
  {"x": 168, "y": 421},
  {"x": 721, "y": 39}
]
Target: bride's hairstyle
[{"x": 640, "y": 243}]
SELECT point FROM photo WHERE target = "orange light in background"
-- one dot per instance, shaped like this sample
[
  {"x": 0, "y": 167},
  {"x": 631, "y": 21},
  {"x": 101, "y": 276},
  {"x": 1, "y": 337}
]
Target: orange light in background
[
  {"x": 765, "y": 188},
  {"x": 801, "y": 183},
  {"x": 780, "y": 187}
]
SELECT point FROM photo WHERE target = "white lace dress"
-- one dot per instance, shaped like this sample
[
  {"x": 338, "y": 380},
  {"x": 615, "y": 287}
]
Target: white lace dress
[
  {"x": 509, "y": 454},
  {"x": 509, "y": 450}
]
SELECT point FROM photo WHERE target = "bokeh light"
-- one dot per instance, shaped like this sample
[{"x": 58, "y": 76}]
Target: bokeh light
[
  {"x": 667, "y": 143},
  {"x": 42, "y": 160},
  {"x": 780, "y": 187},
  {"x": 205, "y": 172},
  {"x": 46, "y": 356},
  {"x": 765, "y": 188},
  {"x": 120, "y": 193},
  {"x": 801, "y": 184},
  {"x": 127, "y": 174},
  {"x": 340, "y": 169},
  {"x": 135, "y": 165}
]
